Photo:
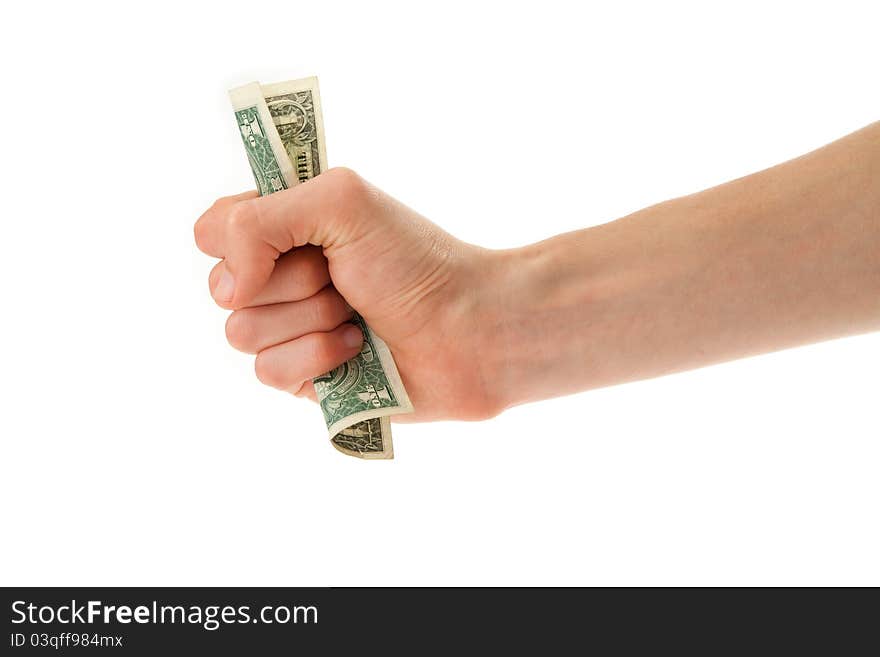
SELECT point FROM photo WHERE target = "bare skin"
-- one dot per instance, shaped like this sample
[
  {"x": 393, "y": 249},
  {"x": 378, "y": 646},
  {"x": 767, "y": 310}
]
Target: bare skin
[{"x": 783, "y": 257}]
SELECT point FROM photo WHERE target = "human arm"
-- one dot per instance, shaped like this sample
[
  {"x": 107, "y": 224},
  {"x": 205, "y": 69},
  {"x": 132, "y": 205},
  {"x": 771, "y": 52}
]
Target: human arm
[{"x": 783, "y": 257}]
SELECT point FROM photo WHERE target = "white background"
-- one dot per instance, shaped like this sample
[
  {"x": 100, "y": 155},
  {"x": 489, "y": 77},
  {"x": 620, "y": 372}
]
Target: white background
[{"x": 137, "y": 446}]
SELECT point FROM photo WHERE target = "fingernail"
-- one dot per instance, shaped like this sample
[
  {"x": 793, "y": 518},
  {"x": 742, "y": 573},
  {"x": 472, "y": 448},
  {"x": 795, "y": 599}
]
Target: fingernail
[
  {"x": 225, "y": 287},
  {"x": 352, "y": 337}
]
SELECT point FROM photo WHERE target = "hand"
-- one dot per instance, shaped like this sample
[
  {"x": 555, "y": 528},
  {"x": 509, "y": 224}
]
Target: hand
[
  {"x": 780, "y": 258},
  {"x": 296, "y": 262}
]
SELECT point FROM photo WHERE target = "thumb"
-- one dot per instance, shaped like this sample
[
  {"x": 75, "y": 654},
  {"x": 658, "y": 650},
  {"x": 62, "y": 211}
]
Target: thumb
[{"x": 250, "y": 234}]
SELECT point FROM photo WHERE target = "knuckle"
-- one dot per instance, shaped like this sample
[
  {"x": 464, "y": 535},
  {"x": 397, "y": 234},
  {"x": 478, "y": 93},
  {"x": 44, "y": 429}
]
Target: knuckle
[
  {"x": 267, "y": 372},
  {"x": 200, "y": 233},
  {"x": 240, "y": 215},
  {"x": 351, "y": 186},
  {"x": 342, "y": 174},
  {"x": 325, "y": 350},
  {"x": 240, "y": 330},
  {"x": 206, "y": 224}
]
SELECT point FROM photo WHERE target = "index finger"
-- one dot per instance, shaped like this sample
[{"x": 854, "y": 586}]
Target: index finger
[{"x": 251, "y": 233}]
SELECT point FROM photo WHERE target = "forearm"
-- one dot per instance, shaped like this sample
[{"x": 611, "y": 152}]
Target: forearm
[{"x": 783, "y": 257}]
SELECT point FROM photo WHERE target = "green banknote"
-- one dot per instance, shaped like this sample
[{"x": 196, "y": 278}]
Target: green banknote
[{"x": 283, "y": 134}]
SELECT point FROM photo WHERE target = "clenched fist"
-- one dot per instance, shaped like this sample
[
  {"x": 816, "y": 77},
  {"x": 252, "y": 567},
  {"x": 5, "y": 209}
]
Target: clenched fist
[
  {"x": 780, "y": 258},
  {"x": 295, "y": 263}
]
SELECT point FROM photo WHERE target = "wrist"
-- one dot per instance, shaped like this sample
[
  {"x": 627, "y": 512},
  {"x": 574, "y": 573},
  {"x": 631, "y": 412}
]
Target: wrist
[{"x": 536, "y": 319}]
